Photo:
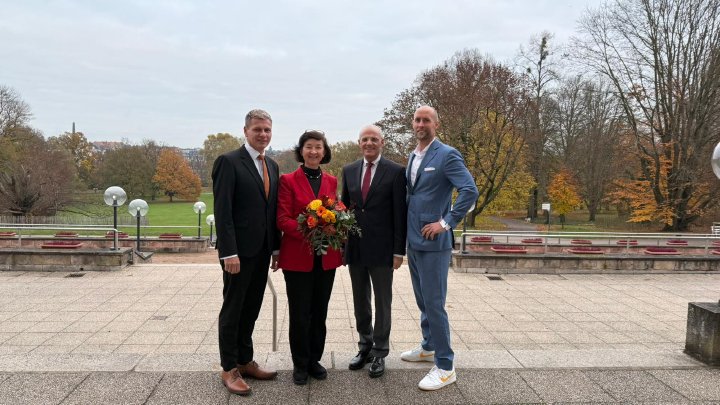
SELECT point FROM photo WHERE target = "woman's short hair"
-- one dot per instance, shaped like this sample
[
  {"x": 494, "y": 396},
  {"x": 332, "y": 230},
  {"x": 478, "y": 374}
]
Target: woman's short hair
[{"x": 318, "y": 136}]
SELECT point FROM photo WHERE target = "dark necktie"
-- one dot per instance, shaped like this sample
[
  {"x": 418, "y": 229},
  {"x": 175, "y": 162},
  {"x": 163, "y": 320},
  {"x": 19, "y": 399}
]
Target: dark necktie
[
  {"x": 366, "y": 182},
  {"x": 266, "y": 178}
]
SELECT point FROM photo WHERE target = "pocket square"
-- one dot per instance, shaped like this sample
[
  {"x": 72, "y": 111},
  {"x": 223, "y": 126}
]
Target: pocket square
[{"x": 429, "y": 169}]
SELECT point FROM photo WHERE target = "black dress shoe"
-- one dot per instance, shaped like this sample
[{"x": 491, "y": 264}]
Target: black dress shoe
[
  {"x": 360, "y": 360},
  {"x": 317, "y": 371},
  {"x": 300, "y": 376},
  {"x": 377, "y": 368}
]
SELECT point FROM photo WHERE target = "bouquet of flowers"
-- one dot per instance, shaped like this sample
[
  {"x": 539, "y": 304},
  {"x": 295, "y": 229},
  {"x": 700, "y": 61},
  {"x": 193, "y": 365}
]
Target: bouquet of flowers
[{"x": 327, "y": 223}]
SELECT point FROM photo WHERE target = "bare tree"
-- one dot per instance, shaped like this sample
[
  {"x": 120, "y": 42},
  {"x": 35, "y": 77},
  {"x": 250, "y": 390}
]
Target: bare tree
[
  {"x": 662, "y": 58},
  {"x": 14, "y": 112},
  {"x": 594, "y": 144},
  {"x": 539, "y": 64},
  {"x": 36, "y": 180}
]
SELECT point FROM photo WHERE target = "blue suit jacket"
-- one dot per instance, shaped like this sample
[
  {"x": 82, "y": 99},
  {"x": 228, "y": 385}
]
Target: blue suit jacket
[{"x": 441, "y": 170}]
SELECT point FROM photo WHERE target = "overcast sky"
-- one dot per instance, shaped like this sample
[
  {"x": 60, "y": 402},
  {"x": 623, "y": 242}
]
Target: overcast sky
[{"x": 178, "y": 70}]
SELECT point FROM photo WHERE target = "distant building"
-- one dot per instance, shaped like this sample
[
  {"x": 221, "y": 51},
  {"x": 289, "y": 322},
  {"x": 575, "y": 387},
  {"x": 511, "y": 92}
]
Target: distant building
[
  {"x": 191, "y": 153},
  {"x": 104, "y": 146}
]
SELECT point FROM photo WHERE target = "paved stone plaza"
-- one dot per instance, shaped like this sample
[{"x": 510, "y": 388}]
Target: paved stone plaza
[{"x": 149, "y": 334}]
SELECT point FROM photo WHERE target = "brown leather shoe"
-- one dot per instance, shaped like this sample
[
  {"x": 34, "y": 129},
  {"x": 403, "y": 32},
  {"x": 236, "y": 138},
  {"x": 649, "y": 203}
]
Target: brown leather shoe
[
  {"x": 253, "y": 370},
  {"x": 234, "y": 383}
]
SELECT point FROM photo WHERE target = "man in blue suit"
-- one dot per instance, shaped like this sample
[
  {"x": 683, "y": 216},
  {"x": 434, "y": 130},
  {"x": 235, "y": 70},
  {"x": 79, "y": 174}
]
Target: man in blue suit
[{"x": 433, "y": 171}]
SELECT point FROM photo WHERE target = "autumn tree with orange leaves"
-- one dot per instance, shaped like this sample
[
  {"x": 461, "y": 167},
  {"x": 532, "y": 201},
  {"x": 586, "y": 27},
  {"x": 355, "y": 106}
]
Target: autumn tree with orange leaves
[
  {"x": 174, "y": 176},
  {"x": 563, "y": 194}
]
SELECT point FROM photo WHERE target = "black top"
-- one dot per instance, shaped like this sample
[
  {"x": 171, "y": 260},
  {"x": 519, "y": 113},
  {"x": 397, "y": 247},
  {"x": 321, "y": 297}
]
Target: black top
[{"x": 314, "y": 177}]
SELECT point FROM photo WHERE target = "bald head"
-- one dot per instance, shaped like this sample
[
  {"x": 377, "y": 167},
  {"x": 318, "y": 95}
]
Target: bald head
[
  {"x": 429, "y": 110},
  {"x": 425, "y": 124}
]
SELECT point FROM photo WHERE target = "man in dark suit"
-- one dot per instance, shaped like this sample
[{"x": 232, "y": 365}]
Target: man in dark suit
[
  {"x": 375, "y": 187},
  {"x": 245, "y": 187}
]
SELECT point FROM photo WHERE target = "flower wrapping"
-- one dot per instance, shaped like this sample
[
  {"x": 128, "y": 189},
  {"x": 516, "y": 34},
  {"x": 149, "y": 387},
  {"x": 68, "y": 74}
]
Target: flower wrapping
[{"x": 327, "y": 223}]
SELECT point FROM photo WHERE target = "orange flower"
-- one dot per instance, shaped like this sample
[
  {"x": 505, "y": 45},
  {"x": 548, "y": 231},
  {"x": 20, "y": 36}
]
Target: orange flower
[
  {"x": 320, "y": 210},
  {"x": 311, "y": 222},
  {"x": 328, "y": 216}
]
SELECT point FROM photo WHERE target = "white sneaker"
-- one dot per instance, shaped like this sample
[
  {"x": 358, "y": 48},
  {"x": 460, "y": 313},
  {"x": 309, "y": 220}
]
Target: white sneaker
[
  {"x": 437, "y": 378},
  {"x": 418, "y": 354}
]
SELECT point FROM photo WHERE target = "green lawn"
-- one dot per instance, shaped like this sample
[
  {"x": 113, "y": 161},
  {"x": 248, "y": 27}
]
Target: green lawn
[
  {"x": 161, "y": 212},
  {"x": 176, "y": 213}
]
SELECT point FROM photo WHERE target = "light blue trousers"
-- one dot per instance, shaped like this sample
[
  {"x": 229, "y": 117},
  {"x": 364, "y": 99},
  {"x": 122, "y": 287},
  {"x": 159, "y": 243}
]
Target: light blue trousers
[{"x": 429, "y": 273}]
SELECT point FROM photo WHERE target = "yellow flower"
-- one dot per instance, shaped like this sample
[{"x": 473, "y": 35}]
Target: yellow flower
[
  {"x": 329, "y": 217},
  {"x": 314, "y": 204}
]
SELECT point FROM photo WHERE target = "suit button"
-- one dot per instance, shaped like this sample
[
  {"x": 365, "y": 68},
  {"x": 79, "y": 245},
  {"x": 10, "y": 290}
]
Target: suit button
[{"x": 362, "y": 210}]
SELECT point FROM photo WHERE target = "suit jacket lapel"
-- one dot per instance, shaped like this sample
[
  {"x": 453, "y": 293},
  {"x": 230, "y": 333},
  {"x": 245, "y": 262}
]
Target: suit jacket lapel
[
  {"x": 429, "y": 155},
  {"x": 272, "y": 174},
  {"x": 379, "y": 173},
  {"x": 355, "y": 174},
  {"x": 252, "y": 168},
  {"x": 408, "y": 173}
]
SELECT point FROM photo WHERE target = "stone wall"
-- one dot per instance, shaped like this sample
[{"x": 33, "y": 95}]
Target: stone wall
[
  {"x": 64, "y": 260},
  {"x": 564, "y": 263}
]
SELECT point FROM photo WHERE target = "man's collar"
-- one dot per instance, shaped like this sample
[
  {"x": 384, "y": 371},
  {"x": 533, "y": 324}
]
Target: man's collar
[
  {"x": 422, "y": 152},
  {"x": 374, "y": 162},
  {"x": 253, "y": 153}
]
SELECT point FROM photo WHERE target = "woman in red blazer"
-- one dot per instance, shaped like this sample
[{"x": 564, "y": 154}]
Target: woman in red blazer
[{"x": 308, "y": 276}]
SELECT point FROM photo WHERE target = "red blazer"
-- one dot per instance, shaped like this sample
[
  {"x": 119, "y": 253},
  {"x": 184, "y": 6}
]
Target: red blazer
[{"x": 294, "y": 195}]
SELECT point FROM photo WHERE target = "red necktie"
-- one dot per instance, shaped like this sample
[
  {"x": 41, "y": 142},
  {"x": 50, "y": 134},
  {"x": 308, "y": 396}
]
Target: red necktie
[
  {"x": 366, "y": 182},
  {"x": 266, "y": 178}
]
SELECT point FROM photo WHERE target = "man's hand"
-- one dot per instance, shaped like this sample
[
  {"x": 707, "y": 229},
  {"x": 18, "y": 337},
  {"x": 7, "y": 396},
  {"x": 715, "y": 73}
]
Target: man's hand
[
  {"x": 429, "y": 231},
  {"x": 397, "y": 262},
  {"x": 274, "y": 264},
  {"x": 232, "y": 265}
]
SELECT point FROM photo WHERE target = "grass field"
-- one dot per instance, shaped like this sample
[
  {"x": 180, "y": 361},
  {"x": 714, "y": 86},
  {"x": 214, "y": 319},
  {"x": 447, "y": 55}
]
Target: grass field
[{"x": 178, "y": 215}]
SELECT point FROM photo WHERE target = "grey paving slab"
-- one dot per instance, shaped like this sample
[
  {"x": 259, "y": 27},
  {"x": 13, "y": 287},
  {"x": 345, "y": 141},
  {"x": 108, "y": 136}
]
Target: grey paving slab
[
  {"x": 39, "y": 388},
  {"x": 495, "y": 386},
  {"x": 68, "y": 362},
  {"x": 564, "y": 386},
  {"x": 634, "y": 386},
  {"x": 602, "y": 358},
  {"x": 348, "y": 387},
  {"x": 189, "y": 388},
  {"x": 401, "y": 388},
  {"x": 698, "y": 385},
  {"x": 280, "y": 391},
  {"x": 179, "y": 362},
  {"x": 115, "y": 388}
]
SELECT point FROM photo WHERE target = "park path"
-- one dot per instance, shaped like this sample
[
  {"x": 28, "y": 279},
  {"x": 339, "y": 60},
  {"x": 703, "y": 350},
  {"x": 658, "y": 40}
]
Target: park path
[{"x": 516, "y": 224}]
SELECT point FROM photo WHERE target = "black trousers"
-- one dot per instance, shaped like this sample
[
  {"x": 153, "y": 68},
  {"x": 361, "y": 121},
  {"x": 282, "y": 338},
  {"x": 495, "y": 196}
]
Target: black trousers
[
  {"x": 364, "y": 278},
  {"x": 308, "y": 298},
  {"x": 242, "y": 299}
]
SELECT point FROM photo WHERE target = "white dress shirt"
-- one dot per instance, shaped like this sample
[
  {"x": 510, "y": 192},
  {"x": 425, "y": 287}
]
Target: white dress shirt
[{"x": 419, "y": 155}]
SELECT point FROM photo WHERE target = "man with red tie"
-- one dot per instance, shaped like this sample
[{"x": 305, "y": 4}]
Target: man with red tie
[
  {"x": 245, "y": 187},
  {"x": 375, "y": 188}
]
